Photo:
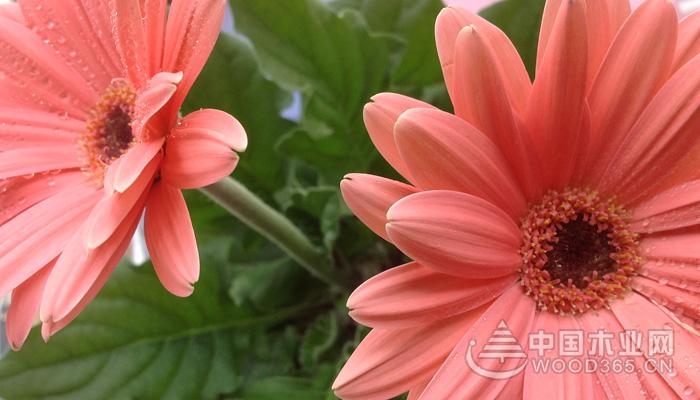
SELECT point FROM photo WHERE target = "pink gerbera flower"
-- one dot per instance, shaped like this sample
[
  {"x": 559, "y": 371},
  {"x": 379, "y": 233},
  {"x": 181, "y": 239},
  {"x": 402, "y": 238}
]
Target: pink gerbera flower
[
  {"x": 563, "y": 205},
  {"x": 90, "y": 136}
]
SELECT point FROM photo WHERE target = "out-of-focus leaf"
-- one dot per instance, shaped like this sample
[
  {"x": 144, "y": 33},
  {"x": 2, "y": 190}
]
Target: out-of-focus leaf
[
  {"x": 282, "y": 387},
  {"x": 319, "y": 338},
  {"x": 137, "y": 341},
  {"x": 520, "y": 20},
  {"x": 232, "y": 81}
]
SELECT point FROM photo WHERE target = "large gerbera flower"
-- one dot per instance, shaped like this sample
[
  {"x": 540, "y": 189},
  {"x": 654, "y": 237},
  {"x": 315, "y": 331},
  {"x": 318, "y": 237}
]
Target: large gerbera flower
[
  {"x": 563, "y": 205},
  {"x": 90, "y": 136}
]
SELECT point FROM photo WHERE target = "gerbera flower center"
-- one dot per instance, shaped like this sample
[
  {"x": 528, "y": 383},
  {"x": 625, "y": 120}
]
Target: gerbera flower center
[
  {"x": 578, "y": 253},
  {"x": 108, "y": 132}
]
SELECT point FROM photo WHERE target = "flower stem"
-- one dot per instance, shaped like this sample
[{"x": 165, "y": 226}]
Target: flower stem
[{"x": 246, "y": 206}]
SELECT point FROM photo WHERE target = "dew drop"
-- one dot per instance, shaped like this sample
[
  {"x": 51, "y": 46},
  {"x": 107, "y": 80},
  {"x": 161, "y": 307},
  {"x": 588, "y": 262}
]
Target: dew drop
[
  {"x": 663, "y": 281},
  {"x": 50, "y": 25},
  {"x": 688, "y": 391}
]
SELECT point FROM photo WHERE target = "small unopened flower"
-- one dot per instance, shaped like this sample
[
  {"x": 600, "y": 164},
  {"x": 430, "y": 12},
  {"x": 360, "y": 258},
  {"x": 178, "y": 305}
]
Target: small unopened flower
[
  {"x": 90, "y": 137},
  {"x": 567, "y": 204}
]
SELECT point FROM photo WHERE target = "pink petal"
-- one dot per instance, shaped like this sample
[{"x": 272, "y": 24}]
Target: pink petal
[
  {"x": 411, "y": 294},
  {"x": 23, "y": 161},
  {"x": 550, "y": 384},
  {"x": 679, "y": 247},
  {"x": 637, "y": 64},
  {"x": 664, "y": 134},
  {"x": 33, "y": 129},
  {"x": 516, "y": 81},
  {"x": 415, "y": 392},
  {"x": 442, "y": 151},
  {"x": 81, "y": 32},
  {"x": 78, "y": 267},
  {"x": 385, "y": 364},
  {"x": 369, "y": 198},
  {"x": 683, "y": 304},
  {"x": 115, "y": 251},
  {"x": 109, "y": 213},
  {"x": 191, "y": 32},
  {"x": 674, "y": 208},
  {"x": 604, "y": 20},
  {"x": 615, "y": 386},
  {"x": 557, "y": 112},
  {"x": 130, "y": 39},
  {"x": 155, "y": 95},
  {"x": 12, "y": 11},
  {"x": 199, "y": 150},
  {"x": 48, "y": 226},
  {"x": 688, "y": 45},
  {"x": 380, "y": 116},
  {"x": 27, "y": 61},
  {"x": 154, "y": 25},
  {"x": 219, "y": 123},
  {"x": 18, "y": 194},
  {"x": 456, "y": 234},
  {"x": 677, "y": 274},
  {"x": 455, "y": 379},
  {"x": 481, "y": 99},
  {"x": 635, "y": 312},
  {"x": 24, "y": 307},
  {"x": 170, "y": 239},
  {"x": 126, "y": 170}
]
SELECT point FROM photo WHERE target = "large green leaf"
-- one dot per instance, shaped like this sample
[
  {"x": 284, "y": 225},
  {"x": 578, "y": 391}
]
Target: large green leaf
[
  {"x": 305, "y": 46},
  {"x": 137, "y": 341},
  {"x": 232, "y": 81}
]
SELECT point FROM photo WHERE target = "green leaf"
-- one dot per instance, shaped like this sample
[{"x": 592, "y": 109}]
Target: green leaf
[
  {"x": 135, "y": 340},
  {"x": 320, "y": 337},
  {"x": 283, "y": 387},
  {"x": 520, "y": 20},
  {"x": 305, "y": 46},
  {"x": 232, "y": 81}
]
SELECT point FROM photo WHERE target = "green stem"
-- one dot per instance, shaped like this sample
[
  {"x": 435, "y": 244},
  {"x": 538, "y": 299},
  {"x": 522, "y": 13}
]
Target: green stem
[{"x": 246, "y": 206}]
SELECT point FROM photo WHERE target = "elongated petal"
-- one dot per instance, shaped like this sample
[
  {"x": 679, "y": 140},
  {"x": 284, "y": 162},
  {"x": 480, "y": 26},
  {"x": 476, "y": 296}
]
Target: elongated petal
[
  {"x": 190, "y": 34},
  {"x": 680, "y": 247},
  {"x": 78, "y": 267},
  {"x": 37, "y": 129},
  {"x": 615, "y": 386},
  {"x": 637, "y": 64},
  {"x": 369, "y": 198},
  {"x": 516, "y": 81},
  {"x": 170, "y": 239},
  {"x": 677, "y": 274},
  {"x": 48, "y": 225},
  {"x": 384, "y": 364},
  {"x": 556, "y": 114},
  {"x": 108, "y": 215},
  {"x": 18, "y": 194},
  {"x": 456, "y": 234},
  {"x": 24, "y": 161},
  {"x": 604, "y": 20},
  {"x": 456, "y": 379},
  {"x": 683, "y": 304},
  {"x": 412, "y": 294},
  {"x": 674, "y": 208},
  {"x": 130, "y": 38},
  {"x": 199, "y": 151},
  {"x": 664, "y": 134},
  {"x": 380, "y": 116},
  {"x": 130, "y": 165},
  {"x": 639, "y": 313},
  {"x": 481, "y": 98},
  {"x": 688, "y": 40},
  {"x": 566, "y": 385},
  {"x": 99, "y": 264},
  {"x": 65, "y": 23},
  {"x": 442, "y": 151},
  {"x": 24, "y": 307}
]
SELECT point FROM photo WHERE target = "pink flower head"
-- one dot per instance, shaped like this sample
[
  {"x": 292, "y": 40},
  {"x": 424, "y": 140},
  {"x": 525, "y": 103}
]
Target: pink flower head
[
  {"x": 565, "y": 204},
  {"x": 90, "y": 136}
]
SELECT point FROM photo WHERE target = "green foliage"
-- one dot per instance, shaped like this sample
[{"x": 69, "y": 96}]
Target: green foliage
[{"x": 258, "y": 326}]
